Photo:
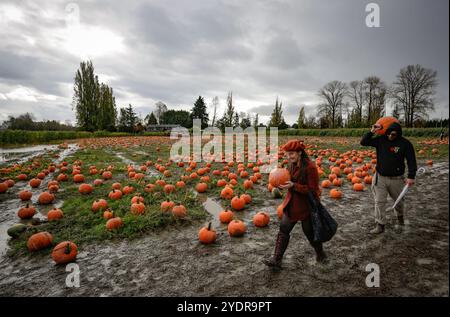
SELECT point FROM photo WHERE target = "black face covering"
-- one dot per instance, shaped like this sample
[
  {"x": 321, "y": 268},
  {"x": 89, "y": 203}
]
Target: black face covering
[{"x": 394, "y": 127}]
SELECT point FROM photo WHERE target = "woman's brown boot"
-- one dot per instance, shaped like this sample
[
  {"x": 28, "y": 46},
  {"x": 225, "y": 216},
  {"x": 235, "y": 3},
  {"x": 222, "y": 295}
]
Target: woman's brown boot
[{"x": 280, "y": 247}]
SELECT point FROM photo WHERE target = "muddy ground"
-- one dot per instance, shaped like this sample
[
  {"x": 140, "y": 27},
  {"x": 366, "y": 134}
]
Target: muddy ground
[{"x": 171, "y": 262}]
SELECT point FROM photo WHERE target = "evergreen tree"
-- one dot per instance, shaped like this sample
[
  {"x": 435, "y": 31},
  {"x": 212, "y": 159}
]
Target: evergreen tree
[
  {"x": 245, "y": 121},
  {"x": 128, "y": 119},
  {"x": 107, "y": 112},
  {"x": 229, "y": 112},
  {"x": 180, "y": 117},
  {"x": 256, "y": 121},
  {"x": 301, "y": 118},
  {"x": 277, "y": 115},
  {"x": 236, "y": 120},
  {"x": 150, "y": 119},
  {"x": 199, "y": 112},
  {"x": 86, "y": 97}
]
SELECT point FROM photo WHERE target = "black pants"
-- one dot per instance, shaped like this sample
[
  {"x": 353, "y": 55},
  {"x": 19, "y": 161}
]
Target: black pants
[{"x": 286, "y": 227}]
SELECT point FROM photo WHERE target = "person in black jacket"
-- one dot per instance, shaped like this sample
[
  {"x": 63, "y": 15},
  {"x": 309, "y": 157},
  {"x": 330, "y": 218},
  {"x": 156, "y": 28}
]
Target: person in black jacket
[{"x": 392, "y": 150}]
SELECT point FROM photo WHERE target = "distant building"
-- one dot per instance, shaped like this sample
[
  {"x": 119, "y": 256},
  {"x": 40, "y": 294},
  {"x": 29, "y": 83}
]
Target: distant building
[{"x": 161, "y": 127}]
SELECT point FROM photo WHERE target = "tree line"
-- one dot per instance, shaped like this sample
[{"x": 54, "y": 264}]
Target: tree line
[
  {"x": 361, "y": 103},
  {"x": 355, "y": 104}
]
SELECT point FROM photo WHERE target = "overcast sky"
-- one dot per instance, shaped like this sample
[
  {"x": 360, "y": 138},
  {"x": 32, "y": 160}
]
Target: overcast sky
[{"x": 175, "y": 50}]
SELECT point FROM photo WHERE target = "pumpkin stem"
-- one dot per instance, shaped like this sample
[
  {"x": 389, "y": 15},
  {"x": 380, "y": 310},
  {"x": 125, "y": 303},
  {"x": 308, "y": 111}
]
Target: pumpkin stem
[
  {"x": 209, "y": 226},
  {"x": 67, "y": 250}
]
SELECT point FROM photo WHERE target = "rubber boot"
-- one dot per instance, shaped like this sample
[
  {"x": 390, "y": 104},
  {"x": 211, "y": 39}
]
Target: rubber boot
[
  {"x": 321, "y": 256},
  {"x": 280, "y": 247}
]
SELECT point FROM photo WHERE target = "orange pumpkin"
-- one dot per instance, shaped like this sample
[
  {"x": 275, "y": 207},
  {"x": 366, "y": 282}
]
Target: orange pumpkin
[
  {"x": 128, "y": 190},
  {"x": 35, "y": 183},
  {"x": 25, "y": 195},
  {"x": 385, "y": 123},
  {"x": 22, "y": 177},
  {"x": 179, "y": 211},
  {"x": 99, "y": 205},
  {"x": 54, "y": 214},
  {"x": 46, "y": 198},
  {"x": 180, "y": 184},
  {"x": 62, "y": 178},
  {"x": 368, "y": 179},
  {"x": 358, "y": 187},
  {"x": 26, "y": 212},
  {"x": 137, "y": 199},
  {"x": 236, "y": 228},
  {"x": 116, "y": 186},
  {"x": 78, "y": 178},
  {"x": 326, "y": 183},
  {"x": 201, "y": 187},
  {"x": 247, "y": 198},
  {"x": 167, "y": 205},
  {"x": 115, "y": 194},
  {"x": 237, "y": 203},
  {"x": 39, "y": 241},
  {"x": 248, "y": 184},
  {"x": 335, "y": 193},
  {"x": 356, "y": 180},
  {"x": 85, "y": 188},
  {"x": 108, "y": 214},
  {"x": 279, "y": 176},
  {"x": 225, "y": 216},
  {"x": 114, "y": 223},
  {"x": 227, "y": 193},
  {"x": 337, "y": 182},
  {"x": 206, "y": 235},
  {"x": 3, "y": 187},
  {"x": 169, "y": 188},
  {"x": 137, "y": 208},
  {"x": 64, "y": 252},
  {"x": 107, "y": 175},
  {"x": 261, "y": 219}
]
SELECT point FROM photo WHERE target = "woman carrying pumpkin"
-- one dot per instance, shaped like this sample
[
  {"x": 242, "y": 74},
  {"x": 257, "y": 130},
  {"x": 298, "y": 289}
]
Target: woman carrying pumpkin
[{"x": 304, "y": 179}]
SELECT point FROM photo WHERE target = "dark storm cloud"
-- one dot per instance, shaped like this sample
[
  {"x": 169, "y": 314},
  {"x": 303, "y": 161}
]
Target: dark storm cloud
[{"x": 175, "y": 50}]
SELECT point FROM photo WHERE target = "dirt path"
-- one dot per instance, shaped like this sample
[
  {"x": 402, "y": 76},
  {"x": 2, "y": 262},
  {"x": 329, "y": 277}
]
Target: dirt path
[{"x": 173, "y": 263}]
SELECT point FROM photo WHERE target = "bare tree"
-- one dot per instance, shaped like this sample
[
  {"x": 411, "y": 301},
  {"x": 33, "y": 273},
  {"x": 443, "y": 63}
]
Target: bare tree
[
  {"x": 333, "y": 93},
  {"x": 160, "y": 109},
  {"x": 413, "y": 92},
  {"x": 215, "y": 104},
  {"x": 375, "y": 95},
  {"x": 357, "y": 94}
]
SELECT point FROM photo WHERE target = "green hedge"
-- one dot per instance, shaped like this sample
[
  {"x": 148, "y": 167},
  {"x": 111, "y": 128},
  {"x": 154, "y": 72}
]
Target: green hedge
[
  {"x": 11, "y": 137},
  {"x": 407, "y": 132}
]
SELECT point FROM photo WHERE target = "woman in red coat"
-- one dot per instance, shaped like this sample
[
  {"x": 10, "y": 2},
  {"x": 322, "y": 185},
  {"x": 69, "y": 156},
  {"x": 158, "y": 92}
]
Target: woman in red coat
[{"x": 304, "y": 178}]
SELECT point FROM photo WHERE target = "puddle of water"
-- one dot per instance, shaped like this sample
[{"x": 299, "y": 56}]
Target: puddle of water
[
  {"x": 9, "y": 207},
  {"x": 27, "y": 149},
  {"x": 23, "y": 154},
  {"x": 213, "y": 208},
  {"x": 127, "y": 161}
]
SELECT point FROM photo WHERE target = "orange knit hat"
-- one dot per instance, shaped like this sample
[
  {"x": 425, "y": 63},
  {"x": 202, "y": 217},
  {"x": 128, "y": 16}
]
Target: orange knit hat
[{"x": 293, "y": 145}]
